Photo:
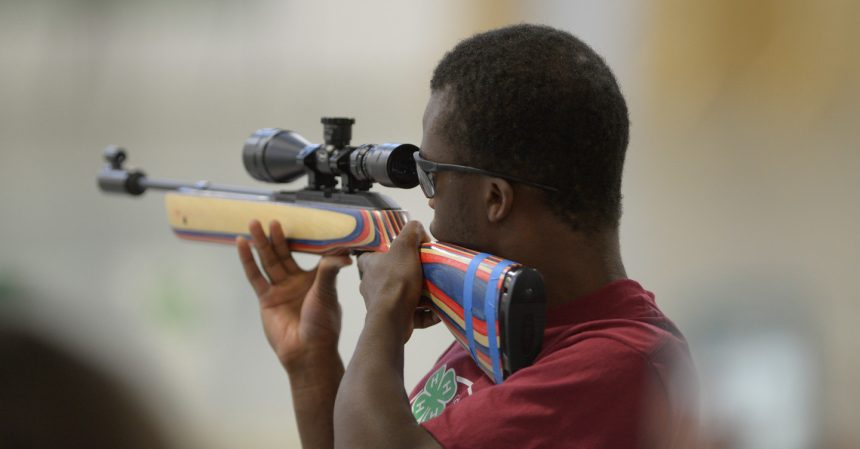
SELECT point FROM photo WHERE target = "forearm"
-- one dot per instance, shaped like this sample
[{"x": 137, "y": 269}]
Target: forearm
[
  {"x": 314, "y": 383},
  {"x": 372, "y": 409}
]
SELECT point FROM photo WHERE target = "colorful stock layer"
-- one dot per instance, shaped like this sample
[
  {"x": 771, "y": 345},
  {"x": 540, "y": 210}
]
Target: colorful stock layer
[{"x": 317, "y": 229}]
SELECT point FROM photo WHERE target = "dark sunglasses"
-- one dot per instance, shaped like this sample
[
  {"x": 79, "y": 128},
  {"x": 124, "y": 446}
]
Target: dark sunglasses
[{"x": 427, "y": 180}]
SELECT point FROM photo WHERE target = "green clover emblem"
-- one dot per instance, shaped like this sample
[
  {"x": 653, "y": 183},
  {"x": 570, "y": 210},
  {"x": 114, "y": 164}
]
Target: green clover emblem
[{"x": 439, "y": 389}]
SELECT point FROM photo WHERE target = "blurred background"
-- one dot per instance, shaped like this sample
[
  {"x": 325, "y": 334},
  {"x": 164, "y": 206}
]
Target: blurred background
[{"x": 740, "y": 188}]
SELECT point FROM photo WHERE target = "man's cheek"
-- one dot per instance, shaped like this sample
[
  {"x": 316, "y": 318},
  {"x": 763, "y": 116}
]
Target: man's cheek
[{"x": 440, "y": 227}]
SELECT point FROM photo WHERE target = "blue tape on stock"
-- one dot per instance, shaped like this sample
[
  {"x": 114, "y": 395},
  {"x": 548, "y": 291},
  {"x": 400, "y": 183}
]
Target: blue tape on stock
[
  {"x": 491, "y": 315},
  {"x": 468, "y": 286}
]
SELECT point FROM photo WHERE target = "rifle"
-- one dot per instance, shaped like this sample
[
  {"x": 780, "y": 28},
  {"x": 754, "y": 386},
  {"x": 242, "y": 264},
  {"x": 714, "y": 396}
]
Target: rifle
[{"x": 494, "y": 307}]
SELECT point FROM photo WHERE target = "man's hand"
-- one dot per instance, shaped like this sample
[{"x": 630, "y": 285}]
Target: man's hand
[
  {"x": 372, "y": 409},
  {"x": 391, "y": 283},
  {"x": 300, "y": 312},
  {"x": 301, "y": 318}
]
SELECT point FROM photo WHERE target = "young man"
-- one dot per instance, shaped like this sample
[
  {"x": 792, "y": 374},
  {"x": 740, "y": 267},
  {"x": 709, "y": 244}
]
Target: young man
[{"x": 542, "y": 115}]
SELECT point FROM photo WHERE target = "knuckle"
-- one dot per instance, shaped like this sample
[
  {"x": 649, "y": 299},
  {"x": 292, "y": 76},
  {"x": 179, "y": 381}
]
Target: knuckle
[
  {"x": 362, "y": 262},
  {"x": 409, "y": 237}
]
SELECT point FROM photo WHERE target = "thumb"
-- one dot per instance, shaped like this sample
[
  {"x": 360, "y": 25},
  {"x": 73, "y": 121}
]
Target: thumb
[
  {"x": 411, "y": 236},
  {"x": 327, "y": 272}
]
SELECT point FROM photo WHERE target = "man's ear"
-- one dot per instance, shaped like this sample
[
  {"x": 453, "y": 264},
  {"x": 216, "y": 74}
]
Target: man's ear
[{"x": 499, "y": 199}]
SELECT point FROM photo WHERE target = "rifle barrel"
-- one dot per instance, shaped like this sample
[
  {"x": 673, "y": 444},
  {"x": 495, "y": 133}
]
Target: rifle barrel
[
  {"x": 169, "y": 184},
  {"x": 136, "y": 182}
]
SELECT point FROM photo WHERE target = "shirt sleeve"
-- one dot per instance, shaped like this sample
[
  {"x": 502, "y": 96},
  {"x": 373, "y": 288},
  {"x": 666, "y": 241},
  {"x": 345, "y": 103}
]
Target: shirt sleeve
[{"x": 598, "y": 393}]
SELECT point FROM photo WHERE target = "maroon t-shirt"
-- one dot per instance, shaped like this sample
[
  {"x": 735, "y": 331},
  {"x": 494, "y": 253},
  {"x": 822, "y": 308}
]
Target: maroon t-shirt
[{"x": 613, "y": 372}]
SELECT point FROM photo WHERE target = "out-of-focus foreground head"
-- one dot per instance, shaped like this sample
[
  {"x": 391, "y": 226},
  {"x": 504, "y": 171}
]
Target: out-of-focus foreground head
[{"x": 50, "y": 399}]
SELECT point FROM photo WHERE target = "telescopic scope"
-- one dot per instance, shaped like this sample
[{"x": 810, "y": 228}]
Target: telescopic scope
[{"x": 280, "y": 156}]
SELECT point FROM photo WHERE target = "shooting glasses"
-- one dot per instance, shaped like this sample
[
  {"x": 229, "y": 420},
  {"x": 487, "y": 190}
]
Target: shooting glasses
[{"x": 427, "y": 179}]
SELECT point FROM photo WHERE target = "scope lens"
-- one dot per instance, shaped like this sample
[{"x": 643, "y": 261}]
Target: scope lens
[
  {"x": 391, "y": 164},
  {"x": 270, "y": 155}
]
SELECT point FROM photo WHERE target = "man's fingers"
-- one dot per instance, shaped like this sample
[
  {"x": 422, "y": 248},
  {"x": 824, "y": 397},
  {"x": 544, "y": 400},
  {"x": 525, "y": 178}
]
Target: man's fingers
[
  {"x": 258, "y": 282},
  {"x": 327, "y": 271},
  {"x": 365, "y": 261},
  {"x": 423, "y": 318},
  {"x": 410, "y": 237},
  {"x": 279, "y": 241},
  {"x": 362, "y": 261},
  {"x": 270, "y": 261},
  {"x": 425, "y": 236},
  {"x": 328, "y": 263}
]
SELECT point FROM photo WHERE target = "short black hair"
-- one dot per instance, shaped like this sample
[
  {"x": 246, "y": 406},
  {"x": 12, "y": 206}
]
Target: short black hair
[{"x": 537, "y": 103}]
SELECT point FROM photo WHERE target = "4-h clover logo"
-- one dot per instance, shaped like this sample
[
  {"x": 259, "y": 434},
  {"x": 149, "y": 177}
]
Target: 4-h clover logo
[{"x": 438, "y": 390}]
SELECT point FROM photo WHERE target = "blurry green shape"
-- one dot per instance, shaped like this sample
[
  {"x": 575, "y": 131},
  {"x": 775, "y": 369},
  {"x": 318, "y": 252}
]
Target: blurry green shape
[
  {"x": 171, "y": 305},
  {"x": 13, "y": 299},
  {"x": 9, "y": 290}
]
